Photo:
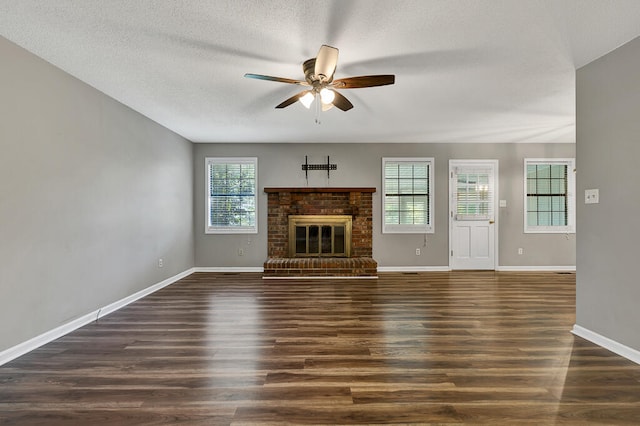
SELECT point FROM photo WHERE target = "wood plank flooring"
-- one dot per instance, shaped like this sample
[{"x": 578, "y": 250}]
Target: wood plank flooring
[{"x": 425, "y": 348}]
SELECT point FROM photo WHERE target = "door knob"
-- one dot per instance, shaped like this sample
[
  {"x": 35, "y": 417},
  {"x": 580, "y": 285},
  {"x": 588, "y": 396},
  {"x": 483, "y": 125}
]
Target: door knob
[{"x": 491, "y": 222}]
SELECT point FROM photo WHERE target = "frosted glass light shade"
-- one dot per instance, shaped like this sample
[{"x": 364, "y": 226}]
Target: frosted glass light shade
[
  {"x": 307, "y": 99},
  {"x": 327, "y": 96}
]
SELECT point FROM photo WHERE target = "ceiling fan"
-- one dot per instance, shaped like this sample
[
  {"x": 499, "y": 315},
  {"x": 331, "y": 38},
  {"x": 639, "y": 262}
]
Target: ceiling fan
[{"x": 318, "y": 75}]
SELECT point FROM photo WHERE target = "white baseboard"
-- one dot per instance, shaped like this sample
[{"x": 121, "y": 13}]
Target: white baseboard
[
  {"x": 413, "y": 269},
  {"x": 228, "y": 269},
  {"x": 51, "y": 335},
  {"x": 536, "y": 268},
  {"x": 499, "y": 268},
  {"x": 46, "y": 337},
  {"x": 615, "y": 347}
]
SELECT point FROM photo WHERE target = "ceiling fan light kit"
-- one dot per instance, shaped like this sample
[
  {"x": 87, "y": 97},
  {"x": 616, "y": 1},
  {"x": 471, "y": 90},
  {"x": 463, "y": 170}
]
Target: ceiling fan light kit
[{"x": 318, "y": 74}]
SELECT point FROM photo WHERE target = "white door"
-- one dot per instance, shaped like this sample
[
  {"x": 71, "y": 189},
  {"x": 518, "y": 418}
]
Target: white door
[{"x": 472, "y": 218}]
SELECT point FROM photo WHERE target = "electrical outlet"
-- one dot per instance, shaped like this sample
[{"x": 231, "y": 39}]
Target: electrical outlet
[
  {"x": 417, "y": 252},
  {"x": 520, "y": 250},
  {"x": 160, "y": 263},
  {"x": 240, "y": 252},
  {"x": 591, "y": 196}
]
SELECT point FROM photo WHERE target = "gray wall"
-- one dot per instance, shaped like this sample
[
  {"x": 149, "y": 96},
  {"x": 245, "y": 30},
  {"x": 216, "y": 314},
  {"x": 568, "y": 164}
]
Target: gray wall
[
  {"x": 91, "y": 195},
  {"x": 360, "y": 165},
  {"x": 608, "y": 149}
]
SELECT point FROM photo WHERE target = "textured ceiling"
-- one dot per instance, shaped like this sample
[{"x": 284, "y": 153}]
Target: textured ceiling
[{"x": 466, "y": 70}]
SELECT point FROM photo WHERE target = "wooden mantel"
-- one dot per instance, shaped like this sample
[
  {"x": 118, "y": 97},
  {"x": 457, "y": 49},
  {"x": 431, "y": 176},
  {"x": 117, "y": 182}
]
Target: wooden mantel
[{"x": 328, "y": 189}]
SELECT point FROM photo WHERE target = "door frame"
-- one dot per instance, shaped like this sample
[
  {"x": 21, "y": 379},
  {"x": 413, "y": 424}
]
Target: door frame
[{"x": 496, "y": 183}]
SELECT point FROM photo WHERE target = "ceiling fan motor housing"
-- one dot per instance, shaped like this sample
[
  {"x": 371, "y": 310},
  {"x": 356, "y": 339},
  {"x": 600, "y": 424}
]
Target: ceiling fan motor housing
[{"x": 308, "y": 67}]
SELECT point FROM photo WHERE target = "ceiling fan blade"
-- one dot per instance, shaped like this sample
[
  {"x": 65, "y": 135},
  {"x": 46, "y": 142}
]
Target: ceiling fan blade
[
  {"x": 292, "y": 100},
  {"x": 364, "y": 81},
  {"x": 341, "y": 102},
  {"x": 326, "y": 62},
  {"x": 278, "y": 79}
]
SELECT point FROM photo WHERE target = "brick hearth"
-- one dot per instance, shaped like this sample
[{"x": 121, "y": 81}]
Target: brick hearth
[
  {"x": 356, "y": 202},
  {"x": 321, "y": 267}
]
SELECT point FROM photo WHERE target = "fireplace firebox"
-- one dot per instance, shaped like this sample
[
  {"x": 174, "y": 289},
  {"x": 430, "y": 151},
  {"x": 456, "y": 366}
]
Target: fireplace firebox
[{"x": 319, "y": 236}]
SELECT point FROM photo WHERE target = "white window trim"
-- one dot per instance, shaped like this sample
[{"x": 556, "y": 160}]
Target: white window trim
[
  {"x": 571, "y": 197},
  {"x": 409, "y": 229},
  {"x": 228, "y": 230}
]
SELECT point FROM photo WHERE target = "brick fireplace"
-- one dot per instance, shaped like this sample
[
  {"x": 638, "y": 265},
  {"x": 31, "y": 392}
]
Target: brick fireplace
[{"x": 297, "y": 202}]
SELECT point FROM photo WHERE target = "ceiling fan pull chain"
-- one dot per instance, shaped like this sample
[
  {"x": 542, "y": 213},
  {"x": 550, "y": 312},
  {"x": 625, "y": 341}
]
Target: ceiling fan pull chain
[{"x": 318, "y": 108}]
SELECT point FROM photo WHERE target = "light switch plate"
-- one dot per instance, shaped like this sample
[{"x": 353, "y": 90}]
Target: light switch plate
[
  {"x": 591, "y": 196},
  {"x": 503, "y": 203}
]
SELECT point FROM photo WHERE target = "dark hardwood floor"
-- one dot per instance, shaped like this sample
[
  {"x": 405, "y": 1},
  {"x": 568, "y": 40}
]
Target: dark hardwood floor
[{"x": 441, "y": 348}]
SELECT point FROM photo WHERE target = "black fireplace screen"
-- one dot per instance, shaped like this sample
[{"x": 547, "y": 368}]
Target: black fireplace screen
[{"x": 314, "y": 240}]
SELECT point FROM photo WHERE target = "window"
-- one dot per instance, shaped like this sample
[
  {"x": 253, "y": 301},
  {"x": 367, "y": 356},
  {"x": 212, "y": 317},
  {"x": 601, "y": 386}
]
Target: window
[
  {"x": 407, "y": 203},
  {"x": 231, "y": 195},
  {"x": 549, "y": 188}
]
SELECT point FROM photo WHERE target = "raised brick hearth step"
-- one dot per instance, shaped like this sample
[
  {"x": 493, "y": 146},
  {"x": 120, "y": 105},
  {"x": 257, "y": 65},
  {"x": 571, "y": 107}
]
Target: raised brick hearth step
[{"x": 321, "y": 267}]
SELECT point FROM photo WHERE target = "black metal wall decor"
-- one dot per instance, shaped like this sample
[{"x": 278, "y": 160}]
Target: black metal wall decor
[{"x": 328, "y": 167}]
